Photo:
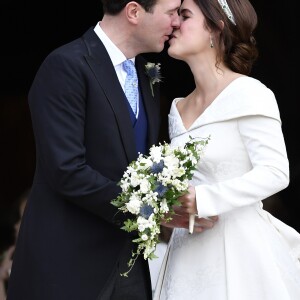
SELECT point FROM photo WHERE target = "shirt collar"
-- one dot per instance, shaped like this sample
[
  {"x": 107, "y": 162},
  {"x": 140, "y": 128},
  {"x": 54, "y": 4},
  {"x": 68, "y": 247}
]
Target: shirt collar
[{"x": 116, "y": 55}]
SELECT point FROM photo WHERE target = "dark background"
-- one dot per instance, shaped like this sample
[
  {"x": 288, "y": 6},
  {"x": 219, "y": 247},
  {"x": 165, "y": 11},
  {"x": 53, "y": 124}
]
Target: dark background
[{"x": 31, "y": 30}]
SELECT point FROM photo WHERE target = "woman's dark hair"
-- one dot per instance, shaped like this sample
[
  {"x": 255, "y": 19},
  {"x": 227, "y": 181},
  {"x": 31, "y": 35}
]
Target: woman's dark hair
[
  {"x": 235, "y": 44},
  {"x": 114, "y": 7}
]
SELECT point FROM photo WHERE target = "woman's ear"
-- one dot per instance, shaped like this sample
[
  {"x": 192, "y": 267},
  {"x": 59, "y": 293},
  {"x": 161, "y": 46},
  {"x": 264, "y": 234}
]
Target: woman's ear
[{"x": 132, "y": 11}]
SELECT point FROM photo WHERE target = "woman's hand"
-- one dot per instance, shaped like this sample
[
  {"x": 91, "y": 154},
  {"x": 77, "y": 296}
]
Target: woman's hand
[
  {"x": 188, "y": 201},
  {"x": 181, "y": 220}
]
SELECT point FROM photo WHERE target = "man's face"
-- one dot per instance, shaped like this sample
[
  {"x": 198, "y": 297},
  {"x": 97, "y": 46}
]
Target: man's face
[{"x": 156, "y": 27}]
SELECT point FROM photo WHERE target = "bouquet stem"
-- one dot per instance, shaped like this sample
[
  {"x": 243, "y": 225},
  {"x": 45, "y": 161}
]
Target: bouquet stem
[{"x": 191, "y": 223}]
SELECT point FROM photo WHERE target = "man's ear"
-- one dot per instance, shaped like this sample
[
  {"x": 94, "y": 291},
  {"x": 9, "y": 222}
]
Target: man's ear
[{"x": 132, "y": 11}]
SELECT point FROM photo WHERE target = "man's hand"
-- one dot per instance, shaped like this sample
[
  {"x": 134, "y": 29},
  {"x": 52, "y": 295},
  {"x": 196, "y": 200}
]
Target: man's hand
[{"x": 6, "y": 263}]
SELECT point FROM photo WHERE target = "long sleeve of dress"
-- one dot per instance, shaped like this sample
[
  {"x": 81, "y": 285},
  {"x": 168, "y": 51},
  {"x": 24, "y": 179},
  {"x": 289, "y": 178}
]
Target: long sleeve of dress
[{"x": 264, "y": 142}]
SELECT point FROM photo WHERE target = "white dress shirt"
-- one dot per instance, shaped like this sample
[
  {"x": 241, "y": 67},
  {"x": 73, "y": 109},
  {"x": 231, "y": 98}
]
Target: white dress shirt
[{"x": 116, "y": 55}]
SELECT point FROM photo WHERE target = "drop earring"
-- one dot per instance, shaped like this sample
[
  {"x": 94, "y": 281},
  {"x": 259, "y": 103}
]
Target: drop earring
[{"x": 211, "y": 42}]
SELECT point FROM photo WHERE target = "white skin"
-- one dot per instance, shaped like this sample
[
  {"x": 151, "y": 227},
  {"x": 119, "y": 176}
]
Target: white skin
[
  {"x": 191, "y": 43},
  {"x": 136, "y": 31}
]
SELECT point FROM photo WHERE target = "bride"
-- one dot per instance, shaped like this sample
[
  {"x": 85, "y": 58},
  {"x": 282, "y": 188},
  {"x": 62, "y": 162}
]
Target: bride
[{"x": 248, "y": 254}]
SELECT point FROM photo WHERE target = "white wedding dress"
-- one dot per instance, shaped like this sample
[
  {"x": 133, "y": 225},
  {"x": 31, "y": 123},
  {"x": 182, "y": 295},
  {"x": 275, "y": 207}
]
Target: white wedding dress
[{"x": 248, "y": 254}]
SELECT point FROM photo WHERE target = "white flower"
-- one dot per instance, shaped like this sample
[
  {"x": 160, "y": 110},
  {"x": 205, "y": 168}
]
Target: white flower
[
  {"x": 135, "y": 179},
  {"x": 150, "y": 197},
  {"x": 125, "y": 185},
  {"x": 145, "y": 186},
  {"x": 153, "y": 72},
  {"x": 144, "y": 237},
  {"x": 156, "y": 154},
  {"x": 164, "y": 208},
  {"x": 134, "y": 204},
  {"x": 171, "y": 162},
  {"x": 178, "y": 172},
  {"x": 165, "y": 177},
  {"x": 145, "y": 163},
  {"x": 143, "y": 223},
  {"x": 149, "y": 250},
  {"x": 150, "y": 188},
  {"x": 181, "y": 185}
]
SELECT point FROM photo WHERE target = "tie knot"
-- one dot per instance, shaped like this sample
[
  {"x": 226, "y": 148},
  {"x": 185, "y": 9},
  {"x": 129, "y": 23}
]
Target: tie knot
[{"x": 129, "y": 67}]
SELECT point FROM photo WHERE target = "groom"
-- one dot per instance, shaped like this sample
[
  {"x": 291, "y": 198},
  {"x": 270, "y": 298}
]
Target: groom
[{"x": 70, "y": 244}]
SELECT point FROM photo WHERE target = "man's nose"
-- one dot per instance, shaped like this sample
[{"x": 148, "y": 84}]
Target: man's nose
[{"x": 176, "y": 21}]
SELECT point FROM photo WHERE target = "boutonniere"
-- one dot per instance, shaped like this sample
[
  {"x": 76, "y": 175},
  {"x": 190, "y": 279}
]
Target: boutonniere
[{"x": 153, "y": 72}]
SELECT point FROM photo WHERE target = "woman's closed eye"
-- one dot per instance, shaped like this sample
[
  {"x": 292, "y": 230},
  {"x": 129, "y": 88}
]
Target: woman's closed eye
[
  {"x": 184, "y": 17},
  {"x": 185, "y": 13}
]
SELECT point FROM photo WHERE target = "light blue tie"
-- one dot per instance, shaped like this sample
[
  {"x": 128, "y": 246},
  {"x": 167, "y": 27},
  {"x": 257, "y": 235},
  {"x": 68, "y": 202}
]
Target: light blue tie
[{"x": 131, "y": 84}]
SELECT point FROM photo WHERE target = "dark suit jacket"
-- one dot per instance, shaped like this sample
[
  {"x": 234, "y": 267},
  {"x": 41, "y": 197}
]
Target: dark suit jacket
[{"x": 70, "y": 237}]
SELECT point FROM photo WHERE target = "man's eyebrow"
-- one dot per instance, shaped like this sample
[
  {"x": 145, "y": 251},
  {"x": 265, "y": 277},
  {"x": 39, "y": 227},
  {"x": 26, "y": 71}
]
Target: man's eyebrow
[{"x": 174, "y": 9}]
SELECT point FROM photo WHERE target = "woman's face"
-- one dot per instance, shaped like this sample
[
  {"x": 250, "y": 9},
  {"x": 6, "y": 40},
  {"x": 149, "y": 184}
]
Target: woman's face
[{"x": 193, "y": 37}]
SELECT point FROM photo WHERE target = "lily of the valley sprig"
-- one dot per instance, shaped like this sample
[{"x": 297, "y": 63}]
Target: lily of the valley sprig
[{"x": 153, "y": 72}]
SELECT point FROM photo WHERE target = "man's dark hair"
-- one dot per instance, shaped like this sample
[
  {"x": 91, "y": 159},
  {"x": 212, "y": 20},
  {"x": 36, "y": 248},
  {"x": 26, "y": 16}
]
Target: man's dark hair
[{"x": 113, "y": 7}]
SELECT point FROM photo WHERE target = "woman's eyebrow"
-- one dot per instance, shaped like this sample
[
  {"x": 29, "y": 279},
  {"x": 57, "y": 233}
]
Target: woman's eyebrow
[{"x": 184, "y": 10}]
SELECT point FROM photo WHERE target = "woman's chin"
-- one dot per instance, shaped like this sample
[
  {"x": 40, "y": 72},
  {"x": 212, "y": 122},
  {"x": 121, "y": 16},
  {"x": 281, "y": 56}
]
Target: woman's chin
[{"x": 172, "y": 53}]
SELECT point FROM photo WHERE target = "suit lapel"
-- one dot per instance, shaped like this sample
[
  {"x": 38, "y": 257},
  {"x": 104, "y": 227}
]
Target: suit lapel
[
  {"x": 100, "y": 63},
  {"x": 151, "y": 103}
]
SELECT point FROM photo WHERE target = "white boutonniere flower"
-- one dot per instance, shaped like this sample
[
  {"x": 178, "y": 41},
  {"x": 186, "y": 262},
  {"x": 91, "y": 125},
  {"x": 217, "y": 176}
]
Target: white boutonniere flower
[{"x": 153, "y": 72}]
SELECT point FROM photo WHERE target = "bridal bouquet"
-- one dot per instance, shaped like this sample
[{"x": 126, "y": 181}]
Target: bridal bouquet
[{"x": 151, "y": 186}]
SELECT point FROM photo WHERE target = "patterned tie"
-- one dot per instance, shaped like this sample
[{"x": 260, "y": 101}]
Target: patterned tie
[{"x": 131, "y": 84}]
